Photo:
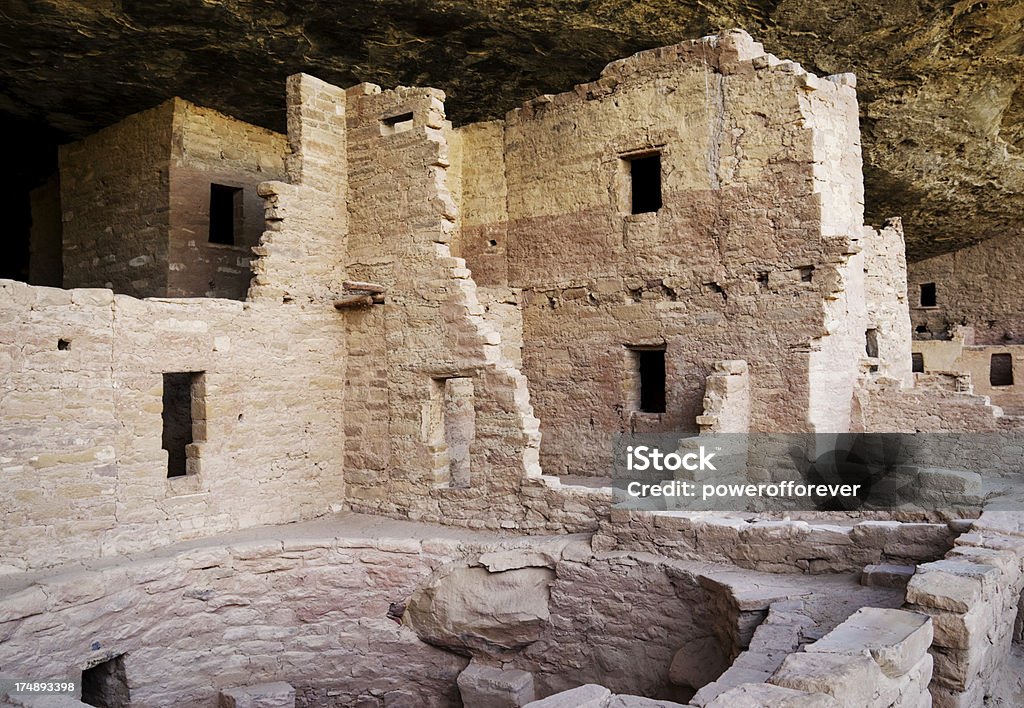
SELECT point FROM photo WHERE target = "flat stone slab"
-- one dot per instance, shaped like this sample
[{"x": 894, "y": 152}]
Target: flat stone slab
[
  {"x": 887, "y": 575},
  {"x": 641, "y": 702},
  {"x": 589, "y": 696},
  {"x": 262, "y": 695},
  {"x": 490, "y": 687},
  {"x": 896, "y": 639},
  {"x": 759, "y": 695}
]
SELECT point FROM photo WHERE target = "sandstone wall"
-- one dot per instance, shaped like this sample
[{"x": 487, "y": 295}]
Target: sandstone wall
[
  {"x": 115, "y": 201},
  {"x": 956, "y": 356},
  {"x": 885, "y": 275},
  {"x": 885, "y": 405},
  {"x": 973, "y": 596},
  {"x": 207, "y": 148},
  {"x": 972, "y": 287},
  {"x": 756, "y": 222},
  {"x": 302, "y": 252},
  {"x": 784, "y": 546},
  {"x": 85, "y": 474},
  {"x": 438, "y": 421},
  {"x": 312, "y": 610}
]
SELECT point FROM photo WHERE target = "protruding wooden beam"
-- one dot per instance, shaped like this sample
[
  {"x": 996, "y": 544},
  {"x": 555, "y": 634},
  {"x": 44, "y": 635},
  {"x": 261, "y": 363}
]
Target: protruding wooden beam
[
  {"x": 350, "y": 301},
  {"x": 363, "y": 287}
]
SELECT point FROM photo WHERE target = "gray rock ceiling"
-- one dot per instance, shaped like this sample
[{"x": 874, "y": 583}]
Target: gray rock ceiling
[{"x": 941, "y": 84}]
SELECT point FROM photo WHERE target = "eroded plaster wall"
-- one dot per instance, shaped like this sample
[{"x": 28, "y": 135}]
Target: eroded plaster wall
[
  {"x": 761, "y": 198},
  {"x": 972, "y": 288},
  {"x": 209, "y": 148},
  {"x": 85, "y": 474},
  {"x": 956, "y": 356},
  {"x": 83, "y": 380}
]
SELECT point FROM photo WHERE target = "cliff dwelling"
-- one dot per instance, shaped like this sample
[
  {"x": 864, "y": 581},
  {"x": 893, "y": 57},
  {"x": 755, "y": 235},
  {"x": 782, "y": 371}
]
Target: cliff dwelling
[{"x": 365, "y": 413}]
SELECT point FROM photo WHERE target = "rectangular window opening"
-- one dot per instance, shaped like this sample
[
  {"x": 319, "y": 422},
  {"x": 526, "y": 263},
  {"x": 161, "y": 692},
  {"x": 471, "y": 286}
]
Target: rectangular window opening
[
  {"x": 650, "y": 373},
  {"x": 644, "y": 183},
  {"x": 928, "y": 295},
  {"x": 452, "y": 430},
  {"x": 1000, "y": 372},
  {"x": 225, "y": 214},
  {"x": 396, "y": 124},
  {"x": 917, "y": 363},
  {"x": 106, "y": 684},
  {"x": 871, "y": 343},
  {"x": 184, "y": 420}
]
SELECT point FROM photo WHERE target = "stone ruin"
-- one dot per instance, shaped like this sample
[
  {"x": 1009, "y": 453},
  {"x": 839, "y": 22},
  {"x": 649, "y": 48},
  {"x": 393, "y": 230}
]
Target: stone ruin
[{"x": 370, "y": 468}]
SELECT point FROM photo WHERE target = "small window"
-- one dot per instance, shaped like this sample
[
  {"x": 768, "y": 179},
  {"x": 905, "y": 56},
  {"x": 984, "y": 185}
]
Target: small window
[
  {"x": 928, "y": 295},
  {"x": 1000, "y": 371},
  {"x": 650, "y": 372},
  {"x": 225, "y": 214},
  {"x": 396, "y": 124},
  {"x": 871, "y": 343},
  {"x": 452, "y": 430},
  {"x": 183, "y": 418},
  {"x": 106, "y": 684},
  {"x": 644, "y": 183},
  {"x": 917, "y": 363}
]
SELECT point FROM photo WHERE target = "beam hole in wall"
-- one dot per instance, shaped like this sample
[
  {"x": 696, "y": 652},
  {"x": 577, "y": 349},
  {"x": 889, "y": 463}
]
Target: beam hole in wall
[
  {"x": 452, "y": 429},
  {"x": 225, "y": 214},
  {"x": 644, "y": 182},
  {"x": 917, "y": 363},
  {"x": 1000, "y": 372},
  {"x": 396, "y": 124},
  {"x": 63, "y": 344},
  {"x": 106, "y": 685},
  {"x": 806, "y": 273},
  {"x": 649, "y": 372},
  {"x": 871, "y": 343},
  {"x": 928, "y": 297},
  {"x": 184, "y": 419}
]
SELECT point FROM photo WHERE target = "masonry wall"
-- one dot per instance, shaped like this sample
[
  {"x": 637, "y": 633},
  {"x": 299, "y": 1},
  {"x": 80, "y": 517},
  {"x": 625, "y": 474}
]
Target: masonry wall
[
  {"x": 207, "y": 148},
  {"x": 309, "y": 610},
  {"x": 735, "y": 265},
  {"x": 973, "y": 596},
  {"x": 972, "y": 287},
  {"x": 956, "y": 356},
  {"x": 438, "y": 421},
  {"x": 85, "y": 474},
  {"x": 116, "y": 205}
]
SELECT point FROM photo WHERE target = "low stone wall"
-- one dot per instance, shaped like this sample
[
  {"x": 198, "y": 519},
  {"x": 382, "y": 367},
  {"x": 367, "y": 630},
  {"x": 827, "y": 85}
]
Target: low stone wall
[
  {"x": 878, "y": 658},
  {"x": 85, "y": 472},
  {"x": 784, "y": 546},
  {"x": 973, "y": 596},
  {"x": 306, "y": 607}
]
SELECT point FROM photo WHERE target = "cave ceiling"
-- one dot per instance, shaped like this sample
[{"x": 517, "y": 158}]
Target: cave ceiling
[{"x": 941, "y": 84}]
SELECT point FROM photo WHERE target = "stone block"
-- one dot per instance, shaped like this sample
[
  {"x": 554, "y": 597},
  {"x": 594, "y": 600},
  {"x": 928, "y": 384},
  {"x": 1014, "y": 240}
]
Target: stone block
[
  {"x": 887, "y": 575},
  {"x": 263, "y": 695},
  {"x": 953, "y": 585},
  {"x": 641, "y": 702},
  {"x": 589, "y": 696},
  {"x": 759, "y": 695},
  {"x": 856, "y": 680},
  {"x": 491, "y": 687},
  {"x": 896, "y": 639}
]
